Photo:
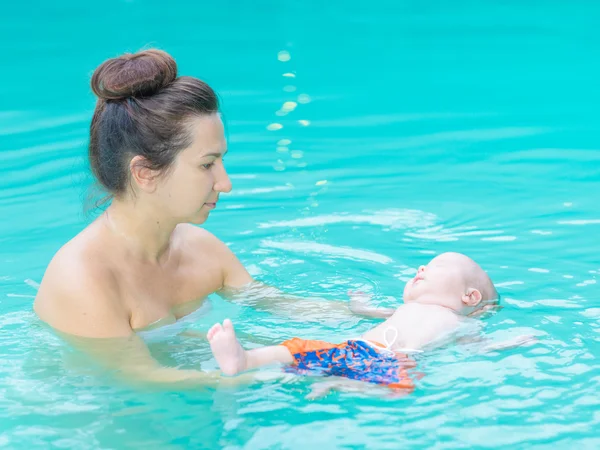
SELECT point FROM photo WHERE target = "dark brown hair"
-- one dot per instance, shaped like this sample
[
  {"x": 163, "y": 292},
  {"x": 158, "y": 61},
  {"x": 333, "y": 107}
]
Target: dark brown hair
[{"x": 144, "y": 109}]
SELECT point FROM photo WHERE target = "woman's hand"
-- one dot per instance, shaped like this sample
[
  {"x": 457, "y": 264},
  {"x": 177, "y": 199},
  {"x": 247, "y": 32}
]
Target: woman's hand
[{"x": 360, "y": 304}]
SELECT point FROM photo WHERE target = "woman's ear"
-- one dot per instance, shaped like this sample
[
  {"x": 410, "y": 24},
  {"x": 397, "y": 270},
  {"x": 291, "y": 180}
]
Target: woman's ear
[
  {"x": 144, "y": 177},
  {"x": 472, "y": 297}
]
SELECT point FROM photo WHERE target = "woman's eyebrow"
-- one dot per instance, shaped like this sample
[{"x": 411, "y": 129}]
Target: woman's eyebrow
[{"x": 216, "y": 154}]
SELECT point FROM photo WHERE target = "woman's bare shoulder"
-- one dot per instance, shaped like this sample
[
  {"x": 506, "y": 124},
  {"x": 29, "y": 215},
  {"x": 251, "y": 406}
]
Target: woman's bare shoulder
[
  {"x": 205, "y": 246},
  {"x": 80, "y": 258},
  {"x": 191, "y": 234},
  {"x": 79, "y": 288},
  {"x": 201, "y": 243}
]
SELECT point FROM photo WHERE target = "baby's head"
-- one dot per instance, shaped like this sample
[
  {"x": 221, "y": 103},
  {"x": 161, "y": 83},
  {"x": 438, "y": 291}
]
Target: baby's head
[{"x": 452, "y": 280}]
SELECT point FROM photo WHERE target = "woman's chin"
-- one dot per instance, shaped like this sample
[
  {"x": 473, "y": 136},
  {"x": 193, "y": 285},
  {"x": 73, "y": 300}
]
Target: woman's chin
[
  {"x": 198, "y": 221},
  {"x": 199, "y": 218}
]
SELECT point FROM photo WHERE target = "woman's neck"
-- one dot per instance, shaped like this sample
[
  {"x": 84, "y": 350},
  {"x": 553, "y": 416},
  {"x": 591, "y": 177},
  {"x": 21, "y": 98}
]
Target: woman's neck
[{"x": 144, "y": 234}]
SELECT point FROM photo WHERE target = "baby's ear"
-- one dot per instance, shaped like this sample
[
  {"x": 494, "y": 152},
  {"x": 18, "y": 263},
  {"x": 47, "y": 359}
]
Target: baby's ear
[{"x": 472, "y": 297}]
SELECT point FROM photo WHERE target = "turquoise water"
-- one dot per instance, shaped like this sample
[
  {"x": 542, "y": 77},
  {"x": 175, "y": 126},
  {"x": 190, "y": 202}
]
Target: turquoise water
[{"x": 418, "y": 128}]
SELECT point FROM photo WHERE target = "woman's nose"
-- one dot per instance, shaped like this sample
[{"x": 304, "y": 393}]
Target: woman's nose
[{"x": 223, "y": 183}]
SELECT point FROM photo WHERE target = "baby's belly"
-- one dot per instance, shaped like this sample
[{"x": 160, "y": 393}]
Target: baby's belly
[
  {"x": 400, "y": 332},
  {"x": 388, "y": 336}
]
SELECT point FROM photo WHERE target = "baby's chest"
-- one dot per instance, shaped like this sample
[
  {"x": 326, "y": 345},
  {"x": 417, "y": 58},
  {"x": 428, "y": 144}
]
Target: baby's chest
[{"x": 417, "y": 329}]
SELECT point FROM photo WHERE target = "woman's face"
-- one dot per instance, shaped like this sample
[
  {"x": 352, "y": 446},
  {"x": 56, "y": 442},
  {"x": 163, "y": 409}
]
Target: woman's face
[{"x": 190, "y": 190}]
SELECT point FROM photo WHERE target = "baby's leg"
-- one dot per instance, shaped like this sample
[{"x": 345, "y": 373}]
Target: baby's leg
[{"x": 233, "y": 359}]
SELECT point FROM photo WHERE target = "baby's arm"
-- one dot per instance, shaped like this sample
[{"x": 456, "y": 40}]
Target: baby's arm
[
  {"x": 483, "y": 344},
  {"x": 508, "y": 344}
]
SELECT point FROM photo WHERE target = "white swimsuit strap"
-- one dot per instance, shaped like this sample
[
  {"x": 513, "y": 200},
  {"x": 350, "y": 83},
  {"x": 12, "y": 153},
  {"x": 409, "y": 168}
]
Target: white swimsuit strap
[{"x": 388, "y": 344}]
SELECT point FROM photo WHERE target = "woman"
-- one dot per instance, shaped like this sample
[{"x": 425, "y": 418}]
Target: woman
[{"x": 157, "y": 146}]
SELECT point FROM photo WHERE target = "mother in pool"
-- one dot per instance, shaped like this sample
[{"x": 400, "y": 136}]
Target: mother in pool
[{"x": 156, "y": 146}]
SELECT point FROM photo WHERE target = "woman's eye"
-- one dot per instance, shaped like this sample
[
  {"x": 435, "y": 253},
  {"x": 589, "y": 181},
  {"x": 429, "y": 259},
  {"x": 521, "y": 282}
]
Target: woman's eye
[{"x": 208, "y": 166}]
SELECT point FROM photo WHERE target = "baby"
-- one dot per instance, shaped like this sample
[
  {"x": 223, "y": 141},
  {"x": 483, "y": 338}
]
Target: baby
[{"x": 436, "y": 302}]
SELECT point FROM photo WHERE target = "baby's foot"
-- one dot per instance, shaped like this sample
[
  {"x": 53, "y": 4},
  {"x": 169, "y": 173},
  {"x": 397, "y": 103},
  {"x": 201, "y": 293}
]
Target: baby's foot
[{"x": 227, "y": 350}]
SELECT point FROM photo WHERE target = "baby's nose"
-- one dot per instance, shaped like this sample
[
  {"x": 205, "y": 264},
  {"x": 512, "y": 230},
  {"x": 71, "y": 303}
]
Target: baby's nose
[{"x": 421, "y": 269}]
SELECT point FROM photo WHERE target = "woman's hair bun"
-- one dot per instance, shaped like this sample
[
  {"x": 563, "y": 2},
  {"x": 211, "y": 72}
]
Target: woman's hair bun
[{"x": 137, "y": 75}]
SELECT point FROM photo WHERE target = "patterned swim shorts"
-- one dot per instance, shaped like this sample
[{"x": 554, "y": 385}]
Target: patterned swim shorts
[{"x": 353, "y": 359}]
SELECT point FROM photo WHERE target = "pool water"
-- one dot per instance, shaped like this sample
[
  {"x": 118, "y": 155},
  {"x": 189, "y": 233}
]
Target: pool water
[{"x": 364, "y": 139}]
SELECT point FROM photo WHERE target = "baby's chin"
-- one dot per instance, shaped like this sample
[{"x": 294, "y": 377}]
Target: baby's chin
[
  {"x": 409, "y": 294},
  {"x": 416, "y": 293}
]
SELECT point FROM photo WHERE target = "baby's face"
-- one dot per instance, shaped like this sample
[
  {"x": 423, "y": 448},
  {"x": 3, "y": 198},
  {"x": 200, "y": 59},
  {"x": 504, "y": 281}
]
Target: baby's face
[{"x": 443, "y": 281}]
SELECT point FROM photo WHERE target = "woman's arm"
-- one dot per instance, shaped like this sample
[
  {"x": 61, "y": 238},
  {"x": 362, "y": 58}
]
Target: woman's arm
[
  {"x": 241, "y": 288},
  {"x": 129, "y": 359},
  {"x": 263, "y": 297},
  {"x": 360, "y": 303}
]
